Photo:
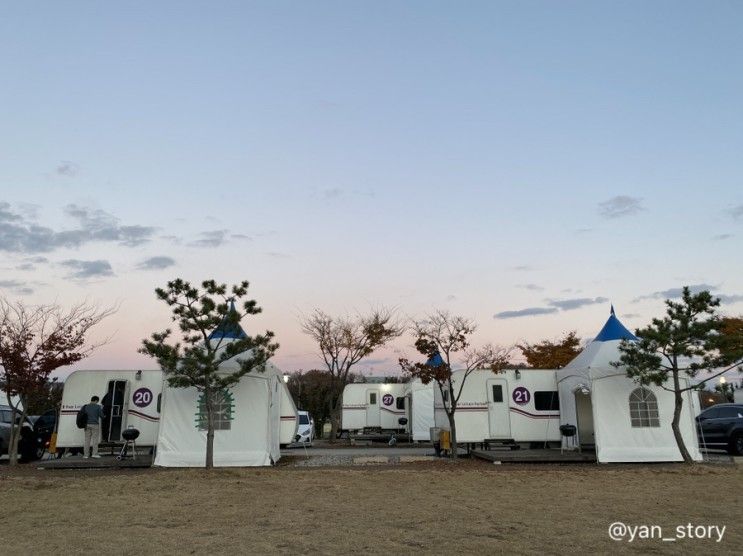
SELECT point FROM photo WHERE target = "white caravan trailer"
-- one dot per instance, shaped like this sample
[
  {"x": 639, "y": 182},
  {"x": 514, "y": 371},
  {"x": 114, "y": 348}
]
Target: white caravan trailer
[
  {"x": 374, "y": 407},
  {"x": 129, "y": 398},
  {"x": 420, "y": 410},
  {"x": 509, "y": 407}
]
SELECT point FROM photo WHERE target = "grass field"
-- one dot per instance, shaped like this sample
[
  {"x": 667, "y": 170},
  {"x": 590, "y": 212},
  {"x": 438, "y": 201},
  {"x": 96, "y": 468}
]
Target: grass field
[{"x": 468, "y": 507}]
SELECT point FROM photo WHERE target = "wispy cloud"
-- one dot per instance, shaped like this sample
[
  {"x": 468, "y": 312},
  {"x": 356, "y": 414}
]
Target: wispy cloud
[
  {"x": 156, "y": 263},
  {"x": 68, "y": 169},
  {"x": 577, "y": 303},
  {"x": 721, "y": 237},
  {"x": 619, "y": 206},
  {"x": 529, "y": 312},
  {"x": 554, "y": 305},
  {"x": 15, "y": 286},
  {"x": 530, "y": 287},
  {"x": 30, "y": 263},
  {"x": 734, "y": 298},
  {"x": 211, "y": 238},
  {"x": 736, "y": 212},
  {"x": 522, "y": 268},
  {"x": 88, "y": 269},
  {"x": 19, "y": 234}
]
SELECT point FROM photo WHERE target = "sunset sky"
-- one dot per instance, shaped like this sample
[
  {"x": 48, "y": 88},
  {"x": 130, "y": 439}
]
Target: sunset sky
[{"x": 521, "y": 163}]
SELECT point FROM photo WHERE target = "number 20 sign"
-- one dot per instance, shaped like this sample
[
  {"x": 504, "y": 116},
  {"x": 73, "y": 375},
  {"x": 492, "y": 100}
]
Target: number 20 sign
[{"x": 142, "y": 397}]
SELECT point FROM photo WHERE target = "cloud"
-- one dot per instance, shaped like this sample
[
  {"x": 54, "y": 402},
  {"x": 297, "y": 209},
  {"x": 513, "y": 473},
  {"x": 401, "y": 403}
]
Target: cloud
[
  {"x": 736, "y": 212},
  {"x": 17, "y": 287},
  {"x": 721, "y": 237},
  {"x": 68, "y": 169},
  {"x": 212, "y": 238},
  {"x": 277, "y": 255},
  {"x": 577, "y": 303},
  {"x": 451, "y": 297},
  {"x": 555, "y": 305},
  {"x": 21, "y": 235},
  {"x": 619, "y": 206},
  {"x": 735, "y": 298},
  {"x": 156, "y": 263},
  {"x": 531, "y": 311},
  {"x": 522, "y": 268},
  {"x": 30, "y": 263},
  {"x": 88, "y": 269},
  {"x": 241, "y": 236},
  {"x": 530, "y": 287},
  {"x": 674, "y": 293}
]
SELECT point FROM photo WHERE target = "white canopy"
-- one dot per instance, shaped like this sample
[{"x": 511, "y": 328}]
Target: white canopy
[
  {"x": 626, "y": 422},
  {"x": 248, "y": 425}
]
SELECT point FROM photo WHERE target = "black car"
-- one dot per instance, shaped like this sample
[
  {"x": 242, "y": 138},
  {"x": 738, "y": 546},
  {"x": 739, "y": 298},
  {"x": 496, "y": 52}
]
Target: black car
[{"x": 721, "y": 426}]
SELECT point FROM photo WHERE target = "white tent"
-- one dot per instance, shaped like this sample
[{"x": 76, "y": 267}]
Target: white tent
[
  {"x": 626, "y": 422},
  {"x": 248, "y": 427},
  {"x": 421, "y": 410}
]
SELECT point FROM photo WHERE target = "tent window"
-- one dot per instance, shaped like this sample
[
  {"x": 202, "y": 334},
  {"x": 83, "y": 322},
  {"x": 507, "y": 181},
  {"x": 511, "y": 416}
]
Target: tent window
[
  {"x": 643, "y": 408},
  {"x": 223, "y": 411},
  {"x": 400, "y": 403},
  {"x": 546, "y": 401}
]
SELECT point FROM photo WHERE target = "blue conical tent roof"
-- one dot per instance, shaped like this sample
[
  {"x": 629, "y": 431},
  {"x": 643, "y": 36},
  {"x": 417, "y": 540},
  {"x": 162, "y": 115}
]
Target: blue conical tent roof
[
  {"x": 614, "y": 330},
  {"x": 435, "y": 360},
  {"x": 229, "y": 327}
]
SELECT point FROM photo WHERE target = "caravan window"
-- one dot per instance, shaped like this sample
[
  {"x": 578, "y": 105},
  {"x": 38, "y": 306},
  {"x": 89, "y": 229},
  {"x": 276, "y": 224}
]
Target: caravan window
[
  {"x": 497, "y": 393},
  {"x": 372, "y": 398},
  {"x": 643, "y": 408},
  {"x": 400, "y": 402},
  {"x": 223, "y": 411},
  {"x": 546, "y": 401}
]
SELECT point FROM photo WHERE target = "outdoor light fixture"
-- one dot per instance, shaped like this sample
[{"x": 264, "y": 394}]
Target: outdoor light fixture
[
  {"x": 138, "y": 376},
  {"x": 517, "y": 374},
  {"x": 286, "y": 379}
]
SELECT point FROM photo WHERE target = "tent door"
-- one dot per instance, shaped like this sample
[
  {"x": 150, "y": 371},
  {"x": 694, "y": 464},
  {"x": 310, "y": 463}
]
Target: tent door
[
  {"x": 114, "y": 408},
  {"x": 498, "y": 412},
  {"x": 584, "y": 415},
  {"x": 372, "y": 408}
]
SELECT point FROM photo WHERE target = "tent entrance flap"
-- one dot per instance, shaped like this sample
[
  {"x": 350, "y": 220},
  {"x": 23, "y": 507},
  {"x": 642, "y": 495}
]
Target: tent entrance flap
[
  {"x": 372, "y": 408},
  {"x": 114, "y": 410},
  {"x": 498, "y": 410},
  {"x": 584, "y": 415}
]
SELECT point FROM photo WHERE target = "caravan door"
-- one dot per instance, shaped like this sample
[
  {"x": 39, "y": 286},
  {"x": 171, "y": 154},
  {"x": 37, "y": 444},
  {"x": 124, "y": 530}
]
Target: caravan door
[
  {"x": 115, "y": 406},
  {"x": 498, "y": 412},
  {"x": 372, "y": 408}
]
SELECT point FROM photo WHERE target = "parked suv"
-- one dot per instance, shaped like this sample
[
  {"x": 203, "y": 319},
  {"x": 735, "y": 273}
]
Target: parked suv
[
  {"x": 25, "y": 444},
  {"x": 721, "y": 426}
]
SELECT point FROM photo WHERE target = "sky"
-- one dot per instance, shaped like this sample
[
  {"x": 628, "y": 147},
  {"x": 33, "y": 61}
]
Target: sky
[{"x": 524, "y": 164}]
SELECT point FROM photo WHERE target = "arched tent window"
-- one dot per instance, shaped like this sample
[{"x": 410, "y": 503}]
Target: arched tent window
[{"x": 643, "y": 408}]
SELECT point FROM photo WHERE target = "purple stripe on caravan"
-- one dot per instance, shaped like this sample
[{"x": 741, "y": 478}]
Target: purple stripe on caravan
[
  {"x": 288, "y": 418},
  {"x": 393, "y": 411},
  {"x": 349, "y": 408},
  {"x": 143, "y": 416},
  {"x": 534, "y": 415}
]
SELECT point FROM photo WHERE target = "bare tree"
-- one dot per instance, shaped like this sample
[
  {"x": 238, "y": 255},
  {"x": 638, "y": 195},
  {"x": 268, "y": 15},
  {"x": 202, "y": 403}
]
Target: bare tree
[
  {"x": 343, "y": 342},
  {"x": 36, "y": 340},
  {"x": 441, "y": 337}
]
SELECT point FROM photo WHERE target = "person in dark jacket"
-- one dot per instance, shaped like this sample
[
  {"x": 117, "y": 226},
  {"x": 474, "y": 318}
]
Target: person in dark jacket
[{"x": 94, "y": 412}]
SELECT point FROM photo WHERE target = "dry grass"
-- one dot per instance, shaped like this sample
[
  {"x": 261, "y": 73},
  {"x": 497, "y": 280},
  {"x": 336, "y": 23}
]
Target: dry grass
[{"x": 401, "y": 509}]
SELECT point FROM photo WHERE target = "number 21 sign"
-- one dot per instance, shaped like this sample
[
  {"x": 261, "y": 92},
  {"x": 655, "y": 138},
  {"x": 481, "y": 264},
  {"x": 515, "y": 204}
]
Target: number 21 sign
[{"x": 521, "y": 395}]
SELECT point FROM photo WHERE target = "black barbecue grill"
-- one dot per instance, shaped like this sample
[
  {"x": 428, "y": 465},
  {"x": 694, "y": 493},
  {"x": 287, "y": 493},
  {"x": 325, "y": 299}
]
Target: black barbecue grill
[{"x": 129, "y": 435}]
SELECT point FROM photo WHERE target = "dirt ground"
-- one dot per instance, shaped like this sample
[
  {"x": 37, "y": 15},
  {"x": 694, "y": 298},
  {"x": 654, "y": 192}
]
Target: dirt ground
[{"x": 467, "y": 507}]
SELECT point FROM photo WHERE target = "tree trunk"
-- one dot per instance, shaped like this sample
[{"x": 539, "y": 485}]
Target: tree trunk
[
  {"x": 334, "y": 405},
  {"x": 15, "y": 430},
  {"x": 453, "y": 432},
  {"x": 209, "y": 428},
  {"x": 679, "y": 403}
]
